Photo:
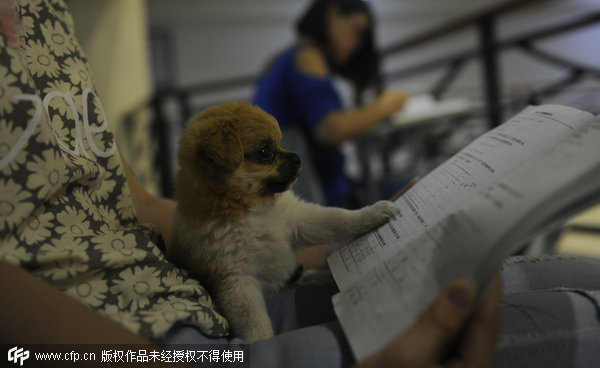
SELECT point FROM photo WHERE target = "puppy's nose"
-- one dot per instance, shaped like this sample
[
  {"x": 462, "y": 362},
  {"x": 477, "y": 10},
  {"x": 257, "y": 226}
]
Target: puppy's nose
[{"x": 295, "y": 158}]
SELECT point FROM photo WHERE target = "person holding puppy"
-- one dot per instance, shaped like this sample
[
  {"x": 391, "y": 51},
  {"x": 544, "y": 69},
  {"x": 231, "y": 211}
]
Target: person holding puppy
[
  {"x": 335, "y": 38},
  {"x": 82, "y": 243},
  {"x": 76, "y": 264}
]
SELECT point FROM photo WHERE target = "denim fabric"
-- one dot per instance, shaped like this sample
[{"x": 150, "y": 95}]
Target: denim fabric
[
  {"x": 550, "y": 312},
  {"x": 550, "y": 318},
  {"x": 316, "y": 346},
  {"x": 302, "y": 339}
]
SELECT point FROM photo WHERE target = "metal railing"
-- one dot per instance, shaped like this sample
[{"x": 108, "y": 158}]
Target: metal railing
[{"x": 487, "y": 52}]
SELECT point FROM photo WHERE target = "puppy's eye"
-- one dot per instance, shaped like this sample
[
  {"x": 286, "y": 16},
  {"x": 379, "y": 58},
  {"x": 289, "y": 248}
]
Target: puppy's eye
[{"x": 266, "y": 154}]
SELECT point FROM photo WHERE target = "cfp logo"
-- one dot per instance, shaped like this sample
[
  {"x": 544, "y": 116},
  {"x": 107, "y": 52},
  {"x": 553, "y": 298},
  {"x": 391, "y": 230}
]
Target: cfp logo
[{"x": 18, "y": 355}]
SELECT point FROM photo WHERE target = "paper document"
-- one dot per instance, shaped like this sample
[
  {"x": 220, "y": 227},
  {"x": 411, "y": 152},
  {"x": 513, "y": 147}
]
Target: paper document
[{"x": 464, "y": 218}]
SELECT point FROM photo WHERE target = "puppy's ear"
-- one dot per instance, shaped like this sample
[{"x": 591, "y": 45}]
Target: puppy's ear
[{"x": 220, "y": 145}]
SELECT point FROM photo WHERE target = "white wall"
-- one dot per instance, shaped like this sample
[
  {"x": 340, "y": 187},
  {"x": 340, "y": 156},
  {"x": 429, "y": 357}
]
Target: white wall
[
  {"x": 227, "y": 38},
  {"x": 113, "y": 33}
]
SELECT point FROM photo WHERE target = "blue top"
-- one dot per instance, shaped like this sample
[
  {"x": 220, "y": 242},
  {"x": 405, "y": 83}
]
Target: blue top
[{"x": 294, "y": 98}]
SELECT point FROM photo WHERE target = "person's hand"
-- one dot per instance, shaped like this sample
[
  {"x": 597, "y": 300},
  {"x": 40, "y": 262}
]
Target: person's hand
[
  {"x": 10, "y": 24},
  {"x": 314, "y": 257},
  {"x": 426, "y": 342},
  {"x": 405, "y": 189},
  {"x": 391, "y": 101}
]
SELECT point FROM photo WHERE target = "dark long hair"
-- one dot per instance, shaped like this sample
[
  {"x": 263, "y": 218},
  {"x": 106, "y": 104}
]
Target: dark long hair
[{"x": 362, "y": 68}]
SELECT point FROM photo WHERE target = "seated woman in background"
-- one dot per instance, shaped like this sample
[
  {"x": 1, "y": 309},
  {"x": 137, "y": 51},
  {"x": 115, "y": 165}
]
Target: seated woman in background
[{"x": 335, "y": 37}]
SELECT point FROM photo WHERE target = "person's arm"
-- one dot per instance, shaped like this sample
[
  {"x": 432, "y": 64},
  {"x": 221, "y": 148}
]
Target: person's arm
[
  {"x": 428, "y": 340},
  {"x": 150, "y": 208},
  {"x": 338, "y": 126},
  {"x": 10, "y": 23},
  {"x": 34, "y": 312}
]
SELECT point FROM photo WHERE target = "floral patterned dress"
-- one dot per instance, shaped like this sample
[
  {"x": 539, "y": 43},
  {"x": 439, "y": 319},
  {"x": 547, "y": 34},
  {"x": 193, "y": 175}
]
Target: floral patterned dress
[{"x": 66, "y": 213}]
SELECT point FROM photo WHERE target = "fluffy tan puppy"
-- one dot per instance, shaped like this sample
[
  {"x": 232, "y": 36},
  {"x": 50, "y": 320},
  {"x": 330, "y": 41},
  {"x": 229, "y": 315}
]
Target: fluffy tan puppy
[{"x": 237, "y": 224}]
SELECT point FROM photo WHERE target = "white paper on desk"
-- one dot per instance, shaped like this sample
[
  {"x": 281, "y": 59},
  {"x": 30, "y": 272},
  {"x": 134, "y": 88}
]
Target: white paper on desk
[
  {"x": 387, "y": 277},
  {"x": 423, "y": 107},
  {"x": 419, "y": 103}
]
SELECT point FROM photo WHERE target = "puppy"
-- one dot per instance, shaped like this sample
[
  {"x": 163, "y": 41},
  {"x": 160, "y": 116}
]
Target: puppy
[{"x": 237, "y": 224}]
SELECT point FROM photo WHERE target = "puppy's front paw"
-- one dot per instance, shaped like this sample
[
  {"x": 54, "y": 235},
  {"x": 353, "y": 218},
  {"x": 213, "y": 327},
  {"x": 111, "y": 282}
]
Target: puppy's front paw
[{"x": 378, "y": 213}]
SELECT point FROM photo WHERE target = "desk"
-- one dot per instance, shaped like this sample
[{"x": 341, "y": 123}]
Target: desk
[
  {"x": 420, "y": 109},
  {"x": 410, "y": 127},
  {"x": 484, "y": 19},
  {"x": 581, "y": 235}
]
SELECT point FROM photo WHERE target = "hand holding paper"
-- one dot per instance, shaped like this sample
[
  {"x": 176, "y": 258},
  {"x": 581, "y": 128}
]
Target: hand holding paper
[{"x": 464, "y": 218}]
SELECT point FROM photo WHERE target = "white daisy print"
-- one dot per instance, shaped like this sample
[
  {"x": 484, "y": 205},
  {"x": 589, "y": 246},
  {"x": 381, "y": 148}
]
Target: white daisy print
[
  {"x": 166, "y": 312},
  {"x": 78, "y": 165},
  {"x": 37, "y": 227},
  {"x": 107, "y": 215},
  {"x": 63, "y": 259},
  {"x": 99, "y": 113},
  {"x": 15, "y": 204},
  {"x": 47, "y": 173},
  {"x": 107, "y": 186},
  {"x": 114, "y": 164},
  {"x": 29, "y": 26},
  {"x": 155, "y": 239},
  {"x": 174, "y": 282},
  {"x": 83, "y": 198},
  {"x": 9, "y": 136},
  {"x": 56, "y": 37},
  {"x": 72, "y": 222},
  {"x": 46, "y": 133},
  {"x": 136, "y": 287},
  {"x": 82, "y": 237},
  {"x": 35, "y": 6},
  {"x": 41, "y": 62},
  {"x": 16, "y": 67},
  {"x": 118, "y": 249},
  {"x": 12, "y": 252},
  {"x": 92, "y": 291},
  {"x": 7, "y": 90},
  {"x": 77, "y": 71},
  {"x": 125, "y": 207},
  {"x": 17, "y": 59},
  {"x": 207, "y": 321},
  {"x": 65, "y": 101},
  {"x": 91, "y": 174}
]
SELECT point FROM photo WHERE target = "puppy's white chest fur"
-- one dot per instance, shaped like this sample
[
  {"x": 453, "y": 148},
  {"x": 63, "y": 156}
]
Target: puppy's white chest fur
[{"x": 259, "y": 245}]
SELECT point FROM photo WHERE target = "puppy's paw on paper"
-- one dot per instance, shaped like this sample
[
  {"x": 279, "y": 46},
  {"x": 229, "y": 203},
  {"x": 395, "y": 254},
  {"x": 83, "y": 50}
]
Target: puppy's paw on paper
[
  {"x": 379, "y": 213},
  {"x": 385, "y": 210}
]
